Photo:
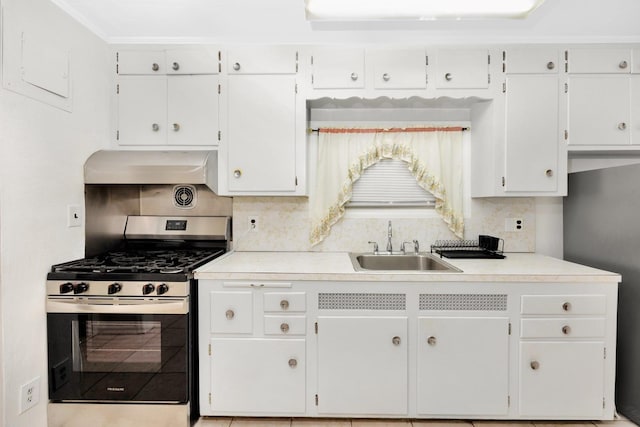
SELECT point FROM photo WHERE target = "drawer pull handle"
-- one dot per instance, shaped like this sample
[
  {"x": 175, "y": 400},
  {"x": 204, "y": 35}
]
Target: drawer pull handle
[
  {"x": 354, "y": 76},
  {"x": 284, "y": 304},
  {"x": 155, "y": 67},
  {"x": 155, "y": 127},
  {"x": 230, "y": 314},
  {"x": 550, "y": 65},
  {"x": 236, "y": 66},
  {"x": 386, "y": 77},
  {"x": 448, "y": 77},
  {"x": 237, "y": 174},
  {"x": 175, "y": 66},
  {"x": 293, "y": 363},
  {"x": 176, "y": 127},
  {"x": 535, "y": 365},
  {"x": 284, "y": 327},
  {"x": 431, "y": 340},
  {"x": 566, "y": 306},
  {"x": 623, "y": 65},
  {"x": 566, "y": 329},
  {"x": 622, "y": 126},
  {"x": 396, "y": 340}
]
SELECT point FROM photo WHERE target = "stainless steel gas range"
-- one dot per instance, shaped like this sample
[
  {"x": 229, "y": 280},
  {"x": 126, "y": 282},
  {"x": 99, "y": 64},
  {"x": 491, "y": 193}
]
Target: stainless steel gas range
[{"x": 121, "y": 321}]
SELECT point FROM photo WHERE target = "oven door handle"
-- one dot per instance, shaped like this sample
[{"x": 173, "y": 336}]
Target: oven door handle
[{"x": 118, "y": 305}]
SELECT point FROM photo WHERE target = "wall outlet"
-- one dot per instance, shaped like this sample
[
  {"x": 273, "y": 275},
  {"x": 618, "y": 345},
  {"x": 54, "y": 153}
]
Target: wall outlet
[
  {"x": 252, "y": 223},
  {"x": 513, "y": 224},
  {"x": 29, "y": 394},
  {"x": 74, "y": 216}
]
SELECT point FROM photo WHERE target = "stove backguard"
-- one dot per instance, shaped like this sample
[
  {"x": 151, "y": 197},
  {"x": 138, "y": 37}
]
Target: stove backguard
[{"x": 108, "y": 205}]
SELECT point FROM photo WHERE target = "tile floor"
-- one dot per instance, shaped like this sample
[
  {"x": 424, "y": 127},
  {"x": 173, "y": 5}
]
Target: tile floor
[{"x": 323, "y": 422}]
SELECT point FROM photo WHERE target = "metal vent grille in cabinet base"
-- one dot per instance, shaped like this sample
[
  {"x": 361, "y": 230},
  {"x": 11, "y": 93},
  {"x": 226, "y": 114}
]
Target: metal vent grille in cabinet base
[
  {"x": 361, "y": 301},
  {"x": 470, "y": 302}
]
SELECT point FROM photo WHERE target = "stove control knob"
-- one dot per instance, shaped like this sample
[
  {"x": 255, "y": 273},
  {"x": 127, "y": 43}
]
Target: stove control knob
[
  {"x": 81, "y": 288},
  {"x": 65, "y": 288},
  {"x": 148, "y": 288},
  {"x": 114, "y": 288},
  {"x": 163, "y": 289}
]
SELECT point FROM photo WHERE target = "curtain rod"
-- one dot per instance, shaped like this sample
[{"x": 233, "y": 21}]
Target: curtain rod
[{"x": 373, "y": 130}]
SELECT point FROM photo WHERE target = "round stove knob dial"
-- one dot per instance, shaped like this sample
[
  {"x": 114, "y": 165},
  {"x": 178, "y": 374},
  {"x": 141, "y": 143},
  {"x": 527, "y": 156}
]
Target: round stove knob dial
[
  {"x": 148, "y": 288},
  {"x": 163, "y": 289},
  {"x": 114, "y": 288},
  {"x": 81, "y": 288},
  {"x": 65, "y": 288}
]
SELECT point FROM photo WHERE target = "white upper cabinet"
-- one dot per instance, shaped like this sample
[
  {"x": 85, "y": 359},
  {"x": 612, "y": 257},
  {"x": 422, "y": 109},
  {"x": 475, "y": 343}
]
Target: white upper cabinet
[
  {"x": 459, "y": 68},
  {"x": 337, "y": 68},
  {"x": 532, "y": 60},
  {"x": 267, "y": 60},
  {"x": 398, "y": 68},
  {"x": 142, "y": 110},
  {"x": 598, "y": 61},
  {"x": 192, "y": 60}
]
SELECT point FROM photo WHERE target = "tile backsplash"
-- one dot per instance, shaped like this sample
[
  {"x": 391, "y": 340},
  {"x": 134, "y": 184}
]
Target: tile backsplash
[{"x": 283, "y": 225}]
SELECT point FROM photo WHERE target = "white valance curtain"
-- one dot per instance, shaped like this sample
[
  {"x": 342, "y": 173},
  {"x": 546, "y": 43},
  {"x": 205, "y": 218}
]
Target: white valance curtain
[{"x": 433, "y": 156}]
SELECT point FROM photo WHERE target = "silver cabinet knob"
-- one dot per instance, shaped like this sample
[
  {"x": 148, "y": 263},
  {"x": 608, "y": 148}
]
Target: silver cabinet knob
[
  {"x": 293, "y": 363},
  {"x": 396, "y": 340},
  {"x": 549, "y": 172},
  {"x": 566, "y": 329},
  {"x": 623, "y": 64},
  {"x": 155, "y": 127},
  {"x": 448, "y": 77},
  {"x": 431, "y": 340},
  {"x": 176, "y": 127},
  {"x": 354, "y": 76},
  {"x": 284, "y": 304},
  {"x": 175, "y": 66},
  {"x": 236, "y": 66},
  {"x": 566, "y": 306},
  {"x": 230, "y": 314},
  {"x": 534, "y": 364},
  {"x": 550, "y": 65},
  {"x": 155, "y": 67},
  {"x": 284, "y": 327},
  {"x": 622, "y": 125},
  {"x": 386, "y": 77},
  {"x": 237, "y": 173}
]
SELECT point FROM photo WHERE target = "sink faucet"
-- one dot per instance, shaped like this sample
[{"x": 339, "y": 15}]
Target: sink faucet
[{"x": 389, "y": 235}]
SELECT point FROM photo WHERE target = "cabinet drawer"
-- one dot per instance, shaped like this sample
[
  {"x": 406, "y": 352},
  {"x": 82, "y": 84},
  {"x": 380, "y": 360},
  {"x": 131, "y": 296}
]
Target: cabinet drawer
[
  {"x": 141, "y": 62},
  {"x": 399, "y": 69},
  {"x": 285, "y": 302},
  {"x": 231, "y": 312},
  {"x": 532, "y": 61},
  {"x": 256, "y": 284},
  {"x": 599, "y": 61},
  {"x": 461, "y": 69},
  {"x": 284, "y": 325},
  {"x": 262, "y": 60},
  {"x": 563, "y": 304},
  {"x": 335, "y": 68},
  {"x": 192, "y": 61},
  {"x": 562, "y": 328}
]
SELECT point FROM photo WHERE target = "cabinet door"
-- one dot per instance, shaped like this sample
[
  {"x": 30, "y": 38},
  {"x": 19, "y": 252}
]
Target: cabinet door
[
  {"x": 260, "y": 136},
  {"x": 532, "y": 135},
  {"x": 257, "y": 376},
  {"x": 193, "y": 110},
  {"x": 231, "y": 312},
  {"x": 604, "y": 60},
  {"x": 362, "y": 365},
  {"x": 463, "y": 366},
  {"x": 562, "y": 379},
  {"x": 142, "y": 110},
  {"x": 336, "y": 68},
  {"x": 532, "y": 60},
  {"x": 399, "y": 69},
  {"x": 262, "y": 60},
  {"x": 461, "y": 69},
  {"x": 141, "y": 62},
  {"x": 202, "y": 60},
  {"x": 599, "y": 110}
]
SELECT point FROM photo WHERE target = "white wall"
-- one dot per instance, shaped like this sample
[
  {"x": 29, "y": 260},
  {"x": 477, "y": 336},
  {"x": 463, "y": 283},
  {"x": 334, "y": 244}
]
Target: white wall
[{"x": 42, "y": 150}]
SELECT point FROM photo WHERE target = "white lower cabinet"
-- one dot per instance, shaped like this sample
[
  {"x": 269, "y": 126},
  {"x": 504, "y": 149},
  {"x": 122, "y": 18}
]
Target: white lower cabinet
[
  {"x": 562, "y": 379},
  {"x": 264, "y": 376},
  {"x": 463, "y": 366},
  {"x": 362, "y": 365}
]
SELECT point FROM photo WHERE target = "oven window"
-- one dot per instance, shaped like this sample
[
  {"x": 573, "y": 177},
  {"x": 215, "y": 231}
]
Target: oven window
[
  {"x": 119, "y": 357},
  {"x": 118, "y": 346}
]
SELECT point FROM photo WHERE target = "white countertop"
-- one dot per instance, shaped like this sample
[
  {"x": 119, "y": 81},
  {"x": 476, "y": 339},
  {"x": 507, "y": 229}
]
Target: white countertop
[{"x": 336, "y": 266}]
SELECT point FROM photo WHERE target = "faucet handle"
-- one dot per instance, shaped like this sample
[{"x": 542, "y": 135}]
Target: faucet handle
[
  {"x": 375, "y": 247},
  {"x": 416, "y": 246},
  {"x": 403, "y": 247}
]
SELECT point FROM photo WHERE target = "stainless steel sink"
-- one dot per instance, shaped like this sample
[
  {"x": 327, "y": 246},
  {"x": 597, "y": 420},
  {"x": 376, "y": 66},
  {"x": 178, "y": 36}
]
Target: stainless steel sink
[{"x": 400, "y": 262}]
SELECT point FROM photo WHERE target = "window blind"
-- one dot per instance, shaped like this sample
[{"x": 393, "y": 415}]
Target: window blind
[{"x": 389, "y": 183}]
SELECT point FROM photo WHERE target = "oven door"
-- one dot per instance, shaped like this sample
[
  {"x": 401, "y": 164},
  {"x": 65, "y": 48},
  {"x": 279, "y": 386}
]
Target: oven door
[{"x": 109, "y": 353}]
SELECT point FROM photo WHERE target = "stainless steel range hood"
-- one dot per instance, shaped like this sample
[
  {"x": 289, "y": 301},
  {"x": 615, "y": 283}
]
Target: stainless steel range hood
[{"x": 152, "y": 167}]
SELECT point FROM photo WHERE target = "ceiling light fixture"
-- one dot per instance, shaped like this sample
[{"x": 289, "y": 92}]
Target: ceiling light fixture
[{"x": 369, "y": 10}]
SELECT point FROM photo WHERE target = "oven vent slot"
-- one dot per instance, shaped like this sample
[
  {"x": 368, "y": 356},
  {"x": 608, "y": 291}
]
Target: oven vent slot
[{"x": 184, "y": 196}]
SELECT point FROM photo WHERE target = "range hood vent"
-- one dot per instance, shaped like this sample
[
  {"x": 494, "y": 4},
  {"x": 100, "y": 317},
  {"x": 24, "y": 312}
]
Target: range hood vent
[{"x": 152, "y": 167}]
